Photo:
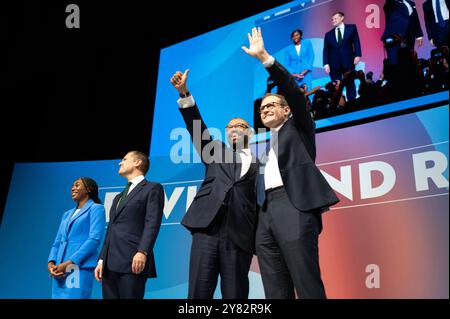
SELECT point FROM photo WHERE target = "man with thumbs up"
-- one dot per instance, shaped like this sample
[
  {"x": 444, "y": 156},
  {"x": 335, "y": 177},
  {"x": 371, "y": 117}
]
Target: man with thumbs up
[{"x": 222, "y": 216}]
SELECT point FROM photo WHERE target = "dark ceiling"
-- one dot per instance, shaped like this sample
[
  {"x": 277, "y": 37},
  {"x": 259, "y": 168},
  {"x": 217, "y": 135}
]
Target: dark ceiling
[{"x": 87, "y": 94}]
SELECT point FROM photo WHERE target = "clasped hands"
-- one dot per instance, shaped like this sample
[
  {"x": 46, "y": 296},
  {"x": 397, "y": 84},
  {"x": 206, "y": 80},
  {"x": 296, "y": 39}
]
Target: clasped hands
[{"x": 60, "y": 270}]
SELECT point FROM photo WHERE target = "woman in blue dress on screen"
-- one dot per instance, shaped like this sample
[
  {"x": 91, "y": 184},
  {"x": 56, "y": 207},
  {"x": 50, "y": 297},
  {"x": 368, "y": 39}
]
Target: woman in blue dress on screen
[
  {"x": 299, "y": 59},
  {"x": 74, "y": 253}
]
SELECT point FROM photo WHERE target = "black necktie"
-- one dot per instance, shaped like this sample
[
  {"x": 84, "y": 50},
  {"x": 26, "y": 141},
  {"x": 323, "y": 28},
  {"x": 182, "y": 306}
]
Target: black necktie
[
  {"x": 339, "y": 36},
  {"x": 260, "y": 184},
  {"x": 237, "y": 165},
  {"x": 124, "y": 193},
  {"x": 440, "y": 18}
]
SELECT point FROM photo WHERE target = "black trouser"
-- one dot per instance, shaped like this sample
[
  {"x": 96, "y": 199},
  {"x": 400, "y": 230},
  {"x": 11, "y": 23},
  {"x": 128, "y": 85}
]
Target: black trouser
[
  {"x": 122, "y": 286},
  {"x": 441, "y": 37},
  {"x": 337, "y": 73},
  {"x": 287, "y": 249},
  {"x": 393, "y": 52},
  {"x": 213, "y": 254}
]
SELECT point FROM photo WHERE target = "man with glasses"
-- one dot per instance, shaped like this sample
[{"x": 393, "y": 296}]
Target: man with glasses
[
  {"x": 294, "y": 192},
  {"x": 222, "y": 216}
]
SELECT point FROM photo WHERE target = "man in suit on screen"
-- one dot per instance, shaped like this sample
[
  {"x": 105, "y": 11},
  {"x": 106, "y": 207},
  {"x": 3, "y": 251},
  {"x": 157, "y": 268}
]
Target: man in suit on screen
[
  {"x": 436, "y": 21},
  {"x": 402, "y": 28},
  {"x": 342, "y": 51}
]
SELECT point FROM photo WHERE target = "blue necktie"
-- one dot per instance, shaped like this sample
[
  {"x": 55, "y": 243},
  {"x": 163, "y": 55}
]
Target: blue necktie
[
  {"x": 439, "y": 14},
  {"x": 260, "y": 185}
]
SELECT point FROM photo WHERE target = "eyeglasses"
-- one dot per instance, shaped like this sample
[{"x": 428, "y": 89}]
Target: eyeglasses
[
  {"x": 269, "y": 106},
  {"x": 238, "y": 125}
]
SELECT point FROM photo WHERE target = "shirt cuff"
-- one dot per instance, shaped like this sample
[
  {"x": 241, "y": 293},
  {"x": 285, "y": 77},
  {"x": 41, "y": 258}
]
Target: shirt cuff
[
  {"x": 326, "y": 65},
  {"x": 269, "y": 62},
  {"x": 100, "y": 262},
  {"x": 185, "y": 102},
  {"x": 419, "y": 38}
]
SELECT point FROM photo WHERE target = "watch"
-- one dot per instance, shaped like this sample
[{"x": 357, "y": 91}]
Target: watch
[{"x": 187, "y": 94}]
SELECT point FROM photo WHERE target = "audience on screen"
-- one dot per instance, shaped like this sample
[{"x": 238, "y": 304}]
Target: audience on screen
[{"x": 410, "y": 77}]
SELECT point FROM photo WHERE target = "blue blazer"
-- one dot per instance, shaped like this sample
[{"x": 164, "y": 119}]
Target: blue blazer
[
  {"x": 398, "y": 20},
  {"x": 343, "y": 55},
  {"x": 297, "y": 63},
  {"x": 78, "y": 238}
]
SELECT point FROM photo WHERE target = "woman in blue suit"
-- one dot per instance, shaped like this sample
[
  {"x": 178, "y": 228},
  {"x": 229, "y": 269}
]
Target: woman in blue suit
[
  {"x": 299, "y": 59},
  {"x": 74, "y": 253}
]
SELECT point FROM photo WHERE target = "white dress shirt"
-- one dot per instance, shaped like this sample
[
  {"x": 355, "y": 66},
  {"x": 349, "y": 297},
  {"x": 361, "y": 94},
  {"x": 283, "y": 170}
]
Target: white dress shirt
[
  {"x": 185, "y": 102},
  {"x": 75, "y": 213},
  {"x": 342, "y": 28},
  {"x": 272, "y": 176},
  {"x": 444, "y": 10},
  {"x": 269, "y": 62},
  {"x": 298, "y": 47},
  {"x": 246, "y": 160},
  {"x": 134, "y": 182}
]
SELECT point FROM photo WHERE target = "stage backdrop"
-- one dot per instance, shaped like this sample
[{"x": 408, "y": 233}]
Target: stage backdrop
[{"x": 387, "y": 238}]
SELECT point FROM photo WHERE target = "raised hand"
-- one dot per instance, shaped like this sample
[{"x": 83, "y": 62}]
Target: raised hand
[
  {"x": 256, "y": 45},
  {"x": 179, "y": 81}
]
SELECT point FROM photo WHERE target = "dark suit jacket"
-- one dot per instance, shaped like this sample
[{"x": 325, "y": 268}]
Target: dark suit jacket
[
  {"x": 222, "y": 185},
  {"x": 430, "y": 22},
  {"x": 398, "y": 21},
  {"x": 133, "y": 227},
  {"x": 305, "y": 185},
  {"x": 344, "y": 54}
]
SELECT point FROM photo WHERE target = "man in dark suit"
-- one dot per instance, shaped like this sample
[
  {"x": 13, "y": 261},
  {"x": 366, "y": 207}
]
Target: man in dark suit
[
  {"x": 341, "y": 51},
  {"x": 222, "y": 217},
  {"x": 126, "y": 259},
  {"x": 436, "y": 21},
  {"x": 296, "y": 193},
  {"x": 402, "y": 21}
]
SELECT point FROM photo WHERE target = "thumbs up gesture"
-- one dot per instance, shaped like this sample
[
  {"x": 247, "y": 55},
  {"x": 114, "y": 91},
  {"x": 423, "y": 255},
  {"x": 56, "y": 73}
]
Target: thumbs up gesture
[{"x": 179, "y": 80}]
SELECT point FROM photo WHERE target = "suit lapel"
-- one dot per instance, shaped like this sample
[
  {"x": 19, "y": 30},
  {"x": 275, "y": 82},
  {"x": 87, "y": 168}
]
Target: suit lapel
[
  {"x": 113, "y": 211},
  {"x": 333, "y": 37},
  {"x": 251, "y": 170},
  {"x": 403, "y": 8},
  {"x": 229, "y": 163},
  {"x": 346, "y": 33},
  {"x": 129, "y": 197},
  {"x": 253, "y": 167},
  {"x": 67, "y": 221},
  {"x": 83, "y": 210},
  {"x": 237, "y": 167}
]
